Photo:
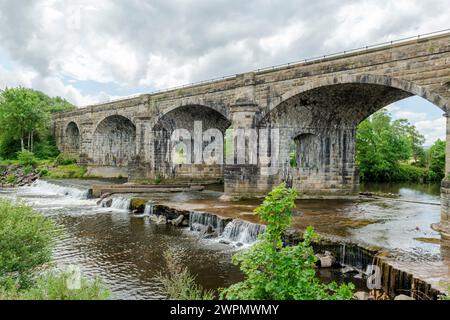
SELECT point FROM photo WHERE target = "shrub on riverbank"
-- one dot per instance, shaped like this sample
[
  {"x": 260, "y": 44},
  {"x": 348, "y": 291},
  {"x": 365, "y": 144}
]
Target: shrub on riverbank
[
  {"x": 26, "y": 158},
  {"x": 276, "y": 272},
  {"x": 26, "y": 243},
  {"x": 178, "y": 282},
  {"x": 26, "y": 239},
  {"x": 70, "y": 171},
  {"x": 65, "y": 159}
]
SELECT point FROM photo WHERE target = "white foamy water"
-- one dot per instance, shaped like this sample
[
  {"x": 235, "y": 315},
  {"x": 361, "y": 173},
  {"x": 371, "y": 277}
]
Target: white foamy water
[
  {"x": 46, "y": 188},
  {"x": 240, "y": 231}
]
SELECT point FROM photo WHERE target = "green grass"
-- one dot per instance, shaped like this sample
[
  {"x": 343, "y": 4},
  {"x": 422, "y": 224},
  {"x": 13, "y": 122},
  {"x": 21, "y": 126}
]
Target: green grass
[{"x": 67, "y": 172}]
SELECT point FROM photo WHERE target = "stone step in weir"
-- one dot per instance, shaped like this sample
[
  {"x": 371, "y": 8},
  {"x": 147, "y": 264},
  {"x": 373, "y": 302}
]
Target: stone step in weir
[
  {"x": 240, "y": 231},
  {"x": 99, "y": 190},
  {"x": 210, "y": 225},
  {"x": 118, "y": 203}
]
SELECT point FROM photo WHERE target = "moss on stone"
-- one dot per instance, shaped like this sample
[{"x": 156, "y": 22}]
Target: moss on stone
[{"x": 138, "y": 204}]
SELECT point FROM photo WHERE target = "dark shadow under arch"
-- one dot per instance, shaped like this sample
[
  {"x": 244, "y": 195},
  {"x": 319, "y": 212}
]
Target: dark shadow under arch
[{"x": 114, "y": 141}]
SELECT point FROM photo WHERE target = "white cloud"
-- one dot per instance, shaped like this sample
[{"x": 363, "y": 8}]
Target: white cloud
[
  {"x": 410, "y": 116},
  {"x": 128, "y": 46},
  {"x": 52, "y": 86},
  {"x": 432, "y": 129}
]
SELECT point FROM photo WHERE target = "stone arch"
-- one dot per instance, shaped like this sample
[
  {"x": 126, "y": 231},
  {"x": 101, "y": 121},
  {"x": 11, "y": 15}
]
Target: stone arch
[
  {"x": 114, "y": 141},
  {"x": 407, "y": 87},
  {"x": 217, "y": 107},
  {"x": 181, "y": 120},
  {"x": 73, "y": 138},
  {"x": 332, "y": 108}
]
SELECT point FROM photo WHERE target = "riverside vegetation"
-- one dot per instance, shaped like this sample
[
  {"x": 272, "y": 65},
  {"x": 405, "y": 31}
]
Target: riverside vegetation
[
  {"x": 27, "y": 147},
  {"x": 26, "y": 242},
  {"x": 392, "y": 150}
]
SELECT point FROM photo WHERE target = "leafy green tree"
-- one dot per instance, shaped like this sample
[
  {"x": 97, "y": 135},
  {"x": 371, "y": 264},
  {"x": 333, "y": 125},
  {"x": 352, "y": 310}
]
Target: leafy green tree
[
  {"x": 278, "y": 272},
  {"x": 383, "y": 144},
  {"x": 436, "y": 159},
  {"x": 22, "y": 115},
  {"x": 25, "y": 119}
]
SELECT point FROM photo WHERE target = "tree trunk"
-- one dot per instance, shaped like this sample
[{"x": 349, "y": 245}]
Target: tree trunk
[{"x": 22, "y": 147}]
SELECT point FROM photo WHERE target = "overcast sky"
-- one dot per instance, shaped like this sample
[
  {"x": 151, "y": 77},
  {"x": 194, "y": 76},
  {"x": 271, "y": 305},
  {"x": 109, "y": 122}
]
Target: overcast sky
[{"x": 91, "y": 51}]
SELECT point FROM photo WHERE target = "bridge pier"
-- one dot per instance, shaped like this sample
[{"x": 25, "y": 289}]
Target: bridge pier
[{"x": 444, "y": 226}]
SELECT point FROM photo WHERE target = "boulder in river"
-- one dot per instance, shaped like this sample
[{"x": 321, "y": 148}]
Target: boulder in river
[
  {"x": 361, "y": 295},
  {"x": 176, "y": 222},
  {"x": 326, "y": 260},
  {"x": 158, "y": 219}
]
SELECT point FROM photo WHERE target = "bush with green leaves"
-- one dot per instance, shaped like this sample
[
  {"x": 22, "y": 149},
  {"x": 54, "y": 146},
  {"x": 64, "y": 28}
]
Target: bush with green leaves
[
  {"x": 26, "y": 243},
  {"x": 27, "y": 169},
  {"x": 11, "y": 179},
  {"x": 277, "y": 272},
  {"x": 26, "y": 239},
  {"x": 26, "y": 158},
  {"x": 65, "y": 159}
]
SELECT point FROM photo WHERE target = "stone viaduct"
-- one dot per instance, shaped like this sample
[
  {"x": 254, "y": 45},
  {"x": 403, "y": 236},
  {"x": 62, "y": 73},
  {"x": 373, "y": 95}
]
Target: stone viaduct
[{"x": 315, "y": 105}]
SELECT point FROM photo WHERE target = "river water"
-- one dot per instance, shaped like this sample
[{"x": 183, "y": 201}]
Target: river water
[{"x": 126, "y": 251}]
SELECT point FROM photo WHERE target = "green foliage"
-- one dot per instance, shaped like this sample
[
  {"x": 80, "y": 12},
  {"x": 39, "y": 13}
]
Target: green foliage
[
  {"x": 43, "y": 172},
  {"x": 26, "y": 239},
  {"x": 71, "y": 171},
  {"x": 11, "y": 179},
  {"x": 157, "y": 180},
  {"x": 436, "y": 159},
  {"x": 380, "y": 145},
  {"x": 53, "y": 286},
  {"x": 26, "y": 158},
  {"x": 45, "y": 147},
  {"x": 445, "y": 296},
  {"x": 65, "y": 159},
  {"x": 388, "y": 150},
  {"x": 276, "y": 272},
  {"x": 28, "y": 169},
  {"x": 178, "y": 283},
  {"x": 25, "y": 119},
  {"x": 293, "y": 159}
]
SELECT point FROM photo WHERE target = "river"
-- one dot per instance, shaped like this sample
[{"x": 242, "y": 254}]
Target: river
[{"x": 126, "y": 251}]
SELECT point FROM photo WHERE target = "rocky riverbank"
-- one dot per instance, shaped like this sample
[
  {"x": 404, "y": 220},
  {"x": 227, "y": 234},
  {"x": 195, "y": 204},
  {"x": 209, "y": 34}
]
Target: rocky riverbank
[{"x": 18, "y": 176}]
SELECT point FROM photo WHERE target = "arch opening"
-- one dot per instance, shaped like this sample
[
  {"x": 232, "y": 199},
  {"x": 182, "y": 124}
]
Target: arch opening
[
  {"x": 189, "y": 144},
  {"x": 114, "y": 142},
  {"x": 319, "y": 127},
  {"x": 73, "y": 139}
]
